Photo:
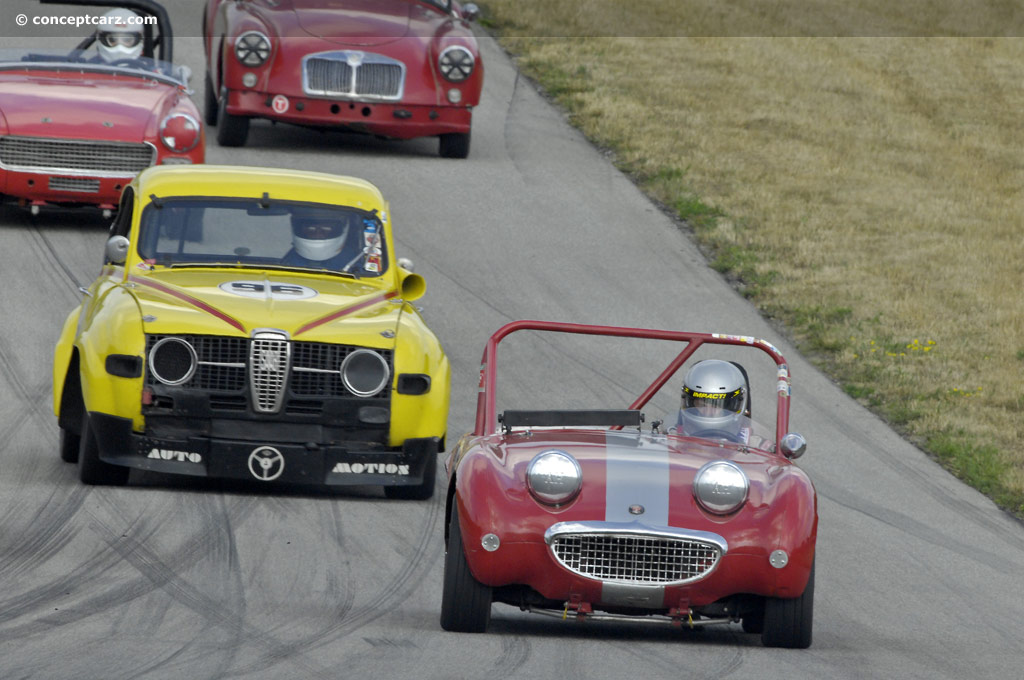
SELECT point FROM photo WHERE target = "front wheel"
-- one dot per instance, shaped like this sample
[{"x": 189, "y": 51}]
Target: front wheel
[
  {"x": 210, "y": 108},
  {"x": 92, "y": 470},
  {"x": 788, "y": 623},
  {"x": 69, "y": 445},
  {"x": 454, "y": 145},
  {"x": 231, "y": 130},
  {"x": 465, "y": 602}
]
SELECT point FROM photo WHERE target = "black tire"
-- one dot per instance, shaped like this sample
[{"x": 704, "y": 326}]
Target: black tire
[
  {"x": 419, "y": 492},
  {"x": 454, "y": 145},
  {"x": 210, "y": 103},
  {"x": 92, "y": 470},
  {"x": 753, "y": 621},
  {"x": 788, "y": 623},
  {"x": 465, "y": 602},
  {"x": 231, "y": 130},
  {"x": 69, "y": 445}
]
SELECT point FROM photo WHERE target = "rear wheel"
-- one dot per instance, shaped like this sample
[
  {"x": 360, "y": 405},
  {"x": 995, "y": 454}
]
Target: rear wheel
[
  {"x": 210, "y": 103},
  {"x": 421, "y": 491},
  {"x": 454, "y": 145},
  {"x": 788, "y": 623},
  {"x": 465, "y": 602},
  {"x": 92, "y": 470},
  {"x": 69, "y": 444},
  {"x": 231, "y": 130}
]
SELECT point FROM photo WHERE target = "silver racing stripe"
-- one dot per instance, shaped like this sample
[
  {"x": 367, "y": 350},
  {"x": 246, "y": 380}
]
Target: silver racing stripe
[{"x": 635, "y": 475}]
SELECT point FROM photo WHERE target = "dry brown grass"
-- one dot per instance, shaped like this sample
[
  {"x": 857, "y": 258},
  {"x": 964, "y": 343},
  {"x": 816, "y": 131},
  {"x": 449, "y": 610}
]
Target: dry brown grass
[{"x": 866, "y": 191}]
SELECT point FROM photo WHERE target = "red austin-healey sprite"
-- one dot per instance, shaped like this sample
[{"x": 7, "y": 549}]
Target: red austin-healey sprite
[
  {"x": 392, "y": 68},
  {"x": 77, "y": 125},
  {"x": 591, "y": 515}
]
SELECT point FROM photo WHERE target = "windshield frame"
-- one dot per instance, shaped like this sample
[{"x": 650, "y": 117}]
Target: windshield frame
[{"x": 14, "y": 59}]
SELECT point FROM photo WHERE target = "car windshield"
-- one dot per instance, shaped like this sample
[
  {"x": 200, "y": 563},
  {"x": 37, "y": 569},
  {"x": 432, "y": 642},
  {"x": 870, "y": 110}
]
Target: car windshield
[
  {"x": 262, "y": 233},
  {"x": 699, "y": 423},
  {"x": 88, "y": 61}
]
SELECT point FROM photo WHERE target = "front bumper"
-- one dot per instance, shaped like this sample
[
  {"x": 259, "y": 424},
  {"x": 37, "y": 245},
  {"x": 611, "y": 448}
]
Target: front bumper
[
  {"x": 386, "y": 119},
  {"x": 348, "y": 463}
]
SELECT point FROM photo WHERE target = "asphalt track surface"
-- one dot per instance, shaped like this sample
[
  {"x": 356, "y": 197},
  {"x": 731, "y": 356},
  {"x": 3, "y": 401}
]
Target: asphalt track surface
[{"x": 918, "y": 576}]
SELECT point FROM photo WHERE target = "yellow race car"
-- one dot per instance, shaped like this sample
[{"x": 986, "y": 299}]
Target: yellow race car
[{"x": 253, "y": 323}]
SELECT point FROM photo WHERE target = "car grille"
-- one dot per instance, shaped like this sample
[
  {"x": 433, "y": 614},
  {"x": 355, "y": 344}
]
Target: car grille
[
  {"x": 635, "y": 559},
  {"x": 84, "y": 185},
  {"x": 266, "y": 372},
  {"x": 75, "y": 156},
  {"x": 349, "y": 74}
]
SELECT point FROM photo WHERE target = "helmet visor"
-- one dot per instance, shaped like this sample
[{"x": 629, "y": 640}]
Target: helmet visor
[
  {"x": 708, "y": 402},
  {"x": 120, "y": 39}
]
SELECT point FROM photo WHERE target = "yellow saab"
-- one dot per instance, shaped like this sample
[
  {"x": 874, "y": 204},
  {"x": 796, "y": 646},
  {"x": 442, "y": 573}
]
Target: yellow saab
[{"x": 251, "y": 323}]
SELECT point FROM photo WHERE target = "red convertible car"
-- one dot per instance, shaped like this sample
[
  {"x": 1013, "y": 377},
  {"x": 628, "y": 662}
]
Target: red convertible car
[
  {"x": 392, "y": 68},
  {"x": 574, "y": 512},
  {"x": 77, "y": 125}
]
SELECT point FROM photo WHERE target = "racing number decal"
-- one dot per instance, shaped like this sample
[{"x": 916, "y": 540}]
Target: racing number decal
[
  {"x": 266, "y": 463},
  {"x": 263, "y": 289}
]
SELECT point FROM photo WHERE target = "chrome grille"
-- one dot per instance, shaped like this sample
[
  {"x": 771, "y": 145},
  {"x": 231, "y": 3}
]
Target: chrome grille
[
  {"x": 635, "y": 559},
  {"x": 75, "y": 156},
  {"x": 83, "y": 185},
  {"x": 269, "y": 359},
  {"x": 353, "y": 74}
]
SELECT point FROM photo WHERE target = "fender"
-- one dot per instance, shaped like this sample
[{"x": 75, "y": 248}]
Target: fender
[
  {"x": 62, "y": 356},
  {"x": 417, "y": 350}
]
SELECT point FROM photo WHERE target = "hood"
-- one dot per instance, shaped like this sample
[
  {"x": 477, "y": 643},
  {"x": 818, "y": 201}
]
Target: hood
[
  {"x": 91, "y": 106},
  {"x": 313, "y": 308},
  {"x": 364, "y": 23}
]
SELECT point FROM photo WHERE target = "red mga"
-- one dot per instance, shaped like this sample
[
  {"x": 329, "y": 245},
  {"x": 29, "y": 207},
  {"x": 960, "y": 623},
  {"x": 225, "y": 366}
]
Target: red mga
[
  {"x": 392, "y": 68},
  {"x": 703, "y": 521}
]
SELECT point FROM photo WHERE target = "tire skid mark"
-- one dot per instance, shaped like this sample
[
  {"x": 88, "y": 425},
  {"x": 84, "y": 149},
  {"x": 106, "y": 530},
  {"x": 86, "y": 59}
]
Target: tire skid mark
[
  {"x": 54, "y": 261},
  {"x": 654, "y": 657},
  {"x": 515, "y": 651},
  {"x": 47, "y": 534}
]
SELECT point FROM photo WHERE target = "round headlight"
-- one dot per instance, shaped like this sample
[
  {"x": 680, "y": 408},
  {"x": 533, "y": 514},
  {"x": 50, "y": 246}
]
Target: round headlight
[
  {"x": 179, "y": 132},
  {"x": 456, "y": 63},
  {"x": 365, "y": 373},
  {"x": 554, "y": 477},
  {"x": 172, "y": 361},
  {"x": 720, "y": 487},
  {"x": 252, "y": 48}
]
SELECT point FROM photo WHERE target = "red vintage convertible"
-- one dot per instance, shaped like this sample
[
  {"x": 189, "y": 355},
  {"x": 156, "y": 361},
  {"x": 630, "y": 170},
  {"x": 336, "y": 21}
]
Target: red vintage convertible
[
  {"x": 76, "y": 128},
  {"x": 574, "y": 512},
  {"x": 392, "y": 68}
]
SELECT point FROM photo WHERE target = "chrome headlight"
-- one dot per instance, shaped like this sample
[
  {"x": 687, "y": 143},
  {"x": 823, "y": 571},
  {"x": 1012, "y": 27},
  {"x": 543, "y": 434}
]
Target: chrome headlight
[
  {"x": 252, "y": 48},
  {"x": 721, "y": 487},
  {"x": 365, "y": 373},
  {"x": 179, "y": 132},
  {"x": 554, "y": 477},
  {"x": 456, "y": 63},
  {"x": 172, "y": 361}
]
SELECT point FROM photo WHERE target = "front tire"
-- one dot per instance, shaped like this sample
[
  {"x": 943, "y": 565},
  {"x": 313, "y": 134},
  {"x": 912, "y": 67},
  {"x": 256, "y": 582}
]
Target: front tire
[
  {"x": 69, "y": 445},
  {"x": 788, "y": 623},
  {"x": 454, "y": 145},
  {"x": 231, "y": 130},
  {"x": 92, "y": 470},
  {"x": 465, "y": 602},
  {"x": 210, "y": 111}
]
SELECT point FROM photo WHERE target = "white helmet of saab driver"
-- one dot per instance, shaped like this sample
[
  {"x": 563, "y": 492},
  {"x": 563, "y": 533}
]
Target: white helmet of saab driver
[
  {"x": 120, "y": 35},
  {"x": 714, "y": 397},
  {"x": 317, "y": 237}
]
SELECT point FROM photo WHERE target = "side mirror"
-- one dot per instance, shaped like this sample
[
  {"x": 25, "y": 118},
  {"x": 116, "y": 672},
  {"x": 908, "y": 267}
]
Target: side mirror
[
  {"x": 470, "y": 12},
  {"x": 116, "y": 251},
  {"x": 185, "y": 73},
  {"x": 406, "y": 264},
  {"x": 793, "y": 445}
]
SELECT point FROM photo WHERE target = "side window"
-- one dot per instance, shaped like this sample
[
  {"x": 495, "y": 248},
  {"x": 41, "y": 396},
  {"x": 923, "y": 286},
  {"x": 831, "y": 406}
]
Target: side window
[{"x": 123, "y": 221}]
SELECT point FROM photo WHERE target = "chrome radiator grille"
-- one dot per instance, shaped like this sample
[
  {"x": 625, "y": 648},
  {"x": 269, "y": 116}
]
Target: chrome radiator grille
[
  {"x": 279, "y": 368},
  {"x": 75, "y": 156},
  {"x": 85, "y": 185},
  {"x": 353, "y": 74},
  {"x": 635, "y": 559}
]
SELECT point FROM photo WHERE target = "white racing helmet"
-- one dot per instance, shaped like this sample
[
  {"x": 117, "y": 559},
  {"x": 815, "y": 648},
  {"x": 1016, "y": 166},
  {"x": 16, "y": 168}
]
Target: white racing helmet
[
  {"x": 319, "y": 239},
  {"x": 714, "y": 397},
  {"x": 120, "y": 36}
]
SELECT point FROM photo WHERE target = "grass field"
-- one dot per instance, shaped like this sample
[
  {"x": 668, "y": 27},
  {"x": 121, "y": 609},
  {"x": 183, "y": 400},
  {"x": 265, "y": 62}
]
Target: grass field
[{"x": 865, "y": 193}]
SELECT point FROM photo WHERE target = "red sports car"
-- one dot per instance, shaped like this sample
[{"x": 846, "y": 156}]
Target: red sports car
[
  {"x": 77, "y": 125},
  {"x": 392, "y": 68},
  {"x": 573, "y": 512}
]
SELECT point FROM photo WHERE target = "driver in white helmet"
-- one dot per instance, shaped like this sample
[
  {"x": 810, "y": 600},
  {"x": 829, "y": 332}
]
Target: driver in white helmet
[
  {"x": 318, "y": 241},
  {"x": 119, "y": 37},
  {"x": 714, "y": 402}
]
